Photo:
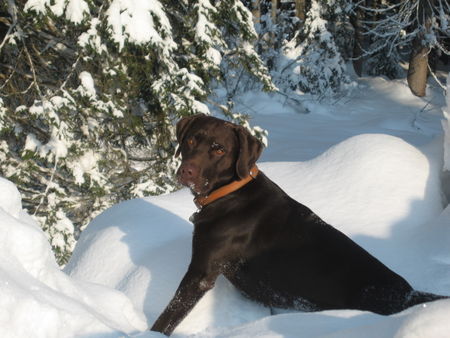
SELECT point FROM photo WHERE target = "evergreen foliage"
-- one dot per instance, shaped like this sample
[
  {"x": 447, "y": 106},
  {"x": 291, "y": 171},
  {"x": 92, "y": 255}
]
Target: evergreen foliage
[
  {"x": 275, "y": 32},
  {"x": 91, "y": 92},
  {"x": 317, "y": 66}
]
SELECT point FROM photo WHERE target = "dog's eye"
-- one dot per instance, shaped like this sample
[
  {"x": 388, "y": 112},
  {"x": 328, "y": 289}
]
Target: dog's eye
[
  {"x": 190, "y": 141},
  {"x": 217, "y": 149}
]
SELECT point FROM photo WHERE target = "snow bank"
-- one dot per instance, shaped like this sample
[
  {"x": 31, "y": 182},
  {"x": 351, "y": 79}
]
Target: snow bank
[
  {"x": 370, "y": 184},
  {"x": 10, "y": 200},
  {"x": 36, "y": 298},
  {"x": 378, "y": 189}
]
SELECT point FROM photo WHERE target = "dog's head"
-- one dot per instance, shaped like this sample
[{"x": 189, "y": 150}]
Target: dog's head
[{"x": 214, "y": 153}]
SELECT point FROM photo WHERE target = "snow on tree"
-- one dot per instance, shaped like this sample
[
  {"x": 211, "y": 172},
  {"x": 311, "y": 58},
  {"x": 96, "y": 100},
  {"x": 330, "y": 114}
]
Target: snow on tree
[
  {"x": 238, "y": 29},
  {"x": 314, "y": 64},
  {"x": 375, "y": 24},
  {"x": 91, "y": 94},
  {"x": 275, "y": 27},
  {"x": 408, "y": 26}
]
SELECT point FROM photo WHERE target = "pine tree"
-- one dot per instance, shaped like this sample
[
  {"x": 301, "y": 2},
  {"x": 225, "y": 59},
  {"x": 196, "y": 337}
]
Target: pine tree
[
  {"x": 318, "y": 66},
  {"x": 275, "y": 27},
  {"x": 91, "y": 94},
  {"x": 238, "y": 29}
]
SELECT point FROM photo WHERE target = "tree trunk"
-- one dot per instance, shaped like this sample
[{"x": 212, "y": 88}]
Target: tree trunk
[
  {"x": 358, "y": 62},
  {"x": 418, "y": 61},
  {"x": 256, "y": 11},
  {"x": 300, "y": 9},
  {"x": 274, "y": 10},
  {"x": 418, "y": 68}
]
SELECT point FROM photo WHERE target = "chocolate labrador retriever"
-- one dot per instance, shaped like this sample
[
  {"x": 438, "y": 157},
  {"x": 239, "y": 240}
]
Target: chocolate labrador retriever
[{"x": 275, "y": 250}]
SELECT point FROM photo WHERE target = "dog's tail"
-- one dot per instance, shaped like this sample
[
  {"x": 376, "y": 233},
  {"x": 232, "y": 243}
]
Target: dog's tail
[{"x": 419, "y": 297}]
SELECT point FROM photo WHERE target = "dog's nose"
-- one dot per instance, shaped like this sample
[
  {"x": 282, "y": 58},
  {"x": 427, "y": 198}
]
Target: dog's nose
[{"x": 187, "y": 172}]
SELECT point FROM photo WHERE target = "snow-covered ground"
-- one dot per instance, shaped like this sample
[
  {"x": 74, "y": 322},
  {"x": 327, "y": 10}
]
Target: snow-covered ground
[{"x": 370, "y": 164}]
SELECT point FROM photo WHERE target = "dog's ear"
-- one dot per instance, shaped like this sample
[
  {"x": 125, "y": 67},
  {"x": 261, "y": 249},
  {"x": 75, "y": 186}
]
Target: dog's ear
[
  {"x": 182, "y": 128},
  {"x": 250, "y": 149}
]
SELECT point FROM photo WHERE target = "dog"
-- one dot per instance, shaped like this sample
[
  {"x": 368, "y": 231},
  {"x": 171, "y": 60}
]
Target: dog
[{"x": 275, "y": 250}]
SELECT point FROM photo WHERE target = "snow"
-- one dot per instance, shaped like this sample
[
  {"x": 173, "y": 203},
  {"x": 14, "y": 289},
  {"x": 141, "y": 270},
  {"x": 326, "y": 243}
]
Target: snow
[
  {"x": 202, "y": 29},
  {"x": 134, "y": 20},
  {"x": 75, "y": 10},
  {"x": 369, "y": 164},
  {"x": 37, "y": 5},
  {"x": 86, "y": 164},
  {"x": 214, "y": 56},
  {"x": 37, "y": 298},
  {"x": 87, "y": 86},
  {"x": 10, "y": 198},
  {"x": 32, "y": 143}
]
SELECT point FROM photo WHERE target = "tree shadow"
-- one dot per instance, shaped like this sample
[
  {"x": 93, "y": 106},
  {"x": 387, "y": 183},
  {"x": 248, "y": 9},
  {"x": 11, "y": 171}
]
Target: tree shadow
[{"x": 159, "y": 259}]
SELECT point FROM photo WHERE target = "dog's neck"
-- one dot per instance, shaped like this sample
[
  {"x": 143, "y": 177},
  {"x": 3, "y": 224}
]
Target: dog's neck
[{"x": 201, "y": 201}]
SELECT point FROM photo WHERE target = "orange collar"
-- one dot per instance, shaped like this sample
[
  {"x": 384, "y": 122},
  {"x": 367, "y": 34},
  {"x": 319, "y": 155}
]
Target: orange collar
[{"x": 200, "y": 202}]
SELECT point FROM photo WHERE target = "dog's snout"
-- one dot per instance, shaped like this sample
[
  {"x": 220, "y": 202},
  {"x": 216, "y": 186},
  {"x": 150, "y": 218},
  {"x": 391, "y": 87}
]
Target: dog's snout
[{"x": 187, "y": 171}]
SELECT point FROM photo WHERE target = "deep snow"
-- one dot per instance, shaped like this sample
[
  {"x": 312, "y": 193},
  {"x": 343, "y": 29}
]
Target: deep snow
[
  {"x": 370, "y": 164},
  {"x": 37, "y": 298}
]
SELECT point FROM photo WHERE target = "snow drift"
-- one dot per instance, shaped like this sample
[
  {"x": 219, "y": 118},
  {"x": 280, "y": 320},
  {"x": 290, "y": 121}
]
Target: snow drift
[{"x": 39, "y": 300}]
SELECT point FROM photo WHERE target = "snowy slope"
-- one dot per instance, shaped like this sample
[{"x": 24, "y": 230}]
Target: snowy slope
[
  {"x": 369, "y": 164},
  {"x": 39, "y": 300}
]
